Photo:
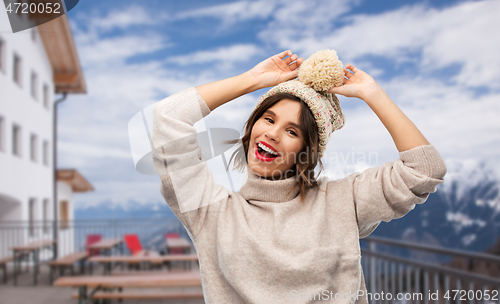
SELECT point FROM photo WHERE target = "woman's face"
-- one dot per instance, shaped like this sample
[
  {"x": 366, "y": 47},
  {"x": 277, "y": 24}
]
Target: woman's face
[{"x": 278, "y": 130}]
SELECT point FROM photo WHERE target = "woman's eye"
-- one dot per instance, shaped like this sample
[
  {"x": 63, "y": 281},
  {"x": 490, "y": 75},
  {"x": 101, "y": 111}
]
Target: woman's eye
[{"x": 272, "y": 121}]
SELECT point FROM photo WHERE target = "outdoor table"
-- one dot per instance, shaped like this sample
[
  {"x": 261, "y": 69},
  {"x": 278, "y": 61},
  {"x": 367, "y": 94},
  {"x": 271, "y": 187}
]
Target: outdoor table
[
  {"x": 179, "y": 243},
  {"x": 34, "y": 249},
  {"x": 105, "y": 246},
  {"x": 151, "y": 257},
  {"x": 169, "y": 279}
]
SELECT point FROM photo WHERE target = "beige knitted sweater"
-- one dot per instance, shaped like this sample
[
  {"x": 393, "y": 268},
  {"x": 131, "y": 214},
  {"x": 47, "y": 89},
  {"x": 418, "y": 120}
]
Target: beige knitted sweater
[{"x": 260, "y": 245}]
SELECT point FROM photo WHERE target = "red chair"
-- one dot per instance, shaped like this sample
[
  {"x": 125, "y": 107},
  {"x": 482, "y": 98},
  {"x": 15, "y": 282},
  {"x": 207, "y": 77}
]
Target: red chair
[
  {"x": 174, "y": 235},
  {"x": 92, "y": 239},
  {"x": 133, "y": 243}
]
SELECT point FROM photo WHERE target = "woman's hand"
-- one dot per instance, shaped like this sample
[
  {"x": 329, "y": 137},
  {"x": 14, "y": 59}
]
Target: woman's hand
[
  {"x": 357, "y": 84},
  {"x": 276, "y": 69},
  {"x": 269, "y": 72}
]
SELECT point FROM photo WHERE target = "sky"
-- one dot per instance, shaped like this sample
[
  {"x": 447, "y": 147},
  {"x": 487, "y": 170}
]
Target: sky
[{"x": 437, "y": 60}]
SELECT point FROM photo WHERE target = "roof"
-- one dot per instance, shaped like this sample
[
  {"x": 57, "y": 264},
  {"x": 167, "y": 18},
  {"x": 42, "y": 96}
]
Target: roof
[
  {"x": 63, "y": 56},
  {"x": 77, "y": 182}
]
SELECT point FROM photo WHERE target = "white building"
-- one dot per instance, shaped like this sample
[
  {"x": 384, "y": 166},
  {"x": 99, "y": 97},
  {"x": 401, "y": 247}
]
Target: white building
[
  {"x": 35, "y": 64},
  {"x": 68, "y": 182}
]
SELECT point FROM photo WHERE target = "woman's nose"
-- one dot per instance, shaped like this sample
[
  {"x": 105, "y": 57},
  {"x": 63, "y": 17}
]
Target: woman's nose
[{"x": 272, "y": 134}]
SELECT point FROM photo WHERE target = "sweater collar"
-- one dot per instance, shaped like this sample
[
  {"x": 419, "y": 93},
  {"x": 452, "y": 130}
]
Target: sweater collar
[{"x": 260, "y": 189}]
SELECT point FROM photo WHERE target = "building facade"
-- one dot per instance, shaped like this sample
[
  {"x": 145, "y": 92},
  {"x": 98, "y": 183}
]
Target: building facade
[{"x": 35, "y": 65}]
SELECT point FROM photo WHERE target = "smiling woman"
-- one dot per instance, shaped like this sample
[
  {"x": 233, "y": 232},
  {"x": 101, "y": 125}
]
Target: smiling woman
[
  {"x": 285, "y": 232},
  {"x": 277, "y": 137},
  {"x": 280, "y": 141}
]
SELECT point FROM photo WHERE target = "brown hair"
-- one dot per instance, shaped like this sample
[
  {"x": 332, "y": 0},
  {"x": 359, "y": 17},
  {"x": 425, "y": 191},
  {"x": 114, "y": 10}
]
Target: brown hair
[{"x": 304, "y": 169}]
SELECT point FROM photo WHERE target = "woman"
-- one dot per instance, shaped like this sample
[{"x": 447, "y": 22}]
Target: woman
[{"x": 286, "y": 237}]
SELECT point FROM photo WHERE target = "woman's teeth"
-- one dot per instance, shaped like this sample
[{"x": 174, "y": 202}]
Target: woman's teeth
[{"x": 268, "y": 150}]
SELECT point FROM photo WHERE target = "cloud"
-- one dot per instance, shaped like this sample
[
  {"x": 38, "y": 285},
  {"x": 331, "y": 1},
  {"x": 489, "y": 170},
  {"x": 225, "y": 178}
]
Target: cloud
[
  {"x": 94, "y": 126},
  {"x": 130, "y": 16},
  {"x": 93, "y": 151},
  {"x": 429, "y": 38},
  {"x": 226, "y": 55},
  {"x": 233, "y": 12},
  {"x": 452, "y": 119},
  {"x": 314, "y": 17},
  {"x": 114, "y": 50},
  {"x": 471, "y": 42},
  {"x": 96, "y": 46},
  {"x": 295, "y": 17},
  {"x": 300, "y": 25}
]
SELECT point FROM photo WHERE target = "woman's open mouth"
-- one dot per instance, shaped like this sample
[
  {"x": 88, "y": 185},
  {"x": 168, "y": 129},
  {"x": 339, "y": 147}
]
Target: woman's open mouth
[{"x": 264, "y": 155}]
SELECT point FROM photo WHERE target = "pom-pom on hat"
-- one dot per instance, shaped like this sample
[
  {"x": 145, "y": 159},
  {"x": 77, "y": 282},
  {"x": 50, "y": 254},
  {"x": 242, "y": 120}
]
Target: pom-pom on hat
[{"x": 320, "y": 72}]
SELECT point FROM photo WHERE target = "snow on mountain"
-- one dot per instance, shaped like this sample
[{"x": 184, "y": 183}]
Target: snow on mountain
[
  {"x": 464, "y": 175},
  {"x": 464, "y": 212}
]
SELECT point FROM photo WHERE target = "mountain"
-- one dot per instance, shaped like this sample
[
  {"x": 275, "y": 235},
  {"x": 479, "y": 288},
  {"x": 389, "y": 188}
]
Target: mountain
[
  {"x": 131, "y": 210},
  {"x": 464, "y": 212}
]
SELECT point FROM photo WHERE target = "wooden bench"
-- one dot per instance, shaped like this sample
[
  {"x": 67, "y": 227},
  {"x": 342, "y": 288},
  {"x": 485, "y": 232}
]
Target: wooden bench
[
  {"x": 67, "y": 261},
  {"x": 153, "y": 259},
  {"x": 104, "y": 285},
  {"x": 144, "y": 295},
  {"x": 3, "y": 264}
]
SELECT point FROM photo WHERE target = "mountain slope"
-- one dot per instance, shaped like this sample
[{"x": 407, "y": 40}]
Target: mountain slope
[{"x": 464, "y": 212}]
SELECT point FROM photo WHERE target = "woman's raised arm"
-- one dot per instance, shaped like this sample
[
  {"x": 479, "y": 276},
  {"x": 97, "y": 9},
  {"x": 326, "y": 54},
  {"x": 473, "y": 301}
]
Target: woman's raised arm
[
  {"x": 392, "y": 190},
  {"x": 359, "y": 84},
  {"x": 269, "y": 72}
]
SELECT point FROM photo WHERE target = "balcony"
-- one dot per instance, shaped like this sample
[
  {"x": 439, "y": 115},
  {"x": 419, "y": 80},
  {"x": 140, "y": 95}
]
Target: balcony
[{"x": 395, "y": 271}]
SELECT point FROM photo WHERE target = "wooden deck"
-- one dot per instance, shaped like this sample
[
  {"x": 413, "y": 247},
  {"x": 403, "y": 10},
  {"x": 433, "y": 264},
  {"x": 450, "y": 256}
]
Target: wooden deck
[{"x": 43, "y": 293}]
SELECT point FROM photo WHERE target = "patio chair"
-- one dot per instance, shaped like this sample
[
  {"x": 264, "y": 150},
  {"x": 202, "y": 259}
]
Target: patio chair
[
  {"x": 133, "y": 243},
  {"x": 174, "y": 235},
  {"x": 92, "y": 239}
]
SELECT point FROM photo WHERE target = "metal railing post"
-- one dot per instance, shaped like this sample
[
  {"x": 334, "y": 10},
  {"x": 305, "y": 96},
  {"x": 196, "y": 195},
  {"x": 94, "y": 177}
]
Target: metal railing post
[
  {"x": 372, "y": 259},
  {"x": 55, "y": 237}
]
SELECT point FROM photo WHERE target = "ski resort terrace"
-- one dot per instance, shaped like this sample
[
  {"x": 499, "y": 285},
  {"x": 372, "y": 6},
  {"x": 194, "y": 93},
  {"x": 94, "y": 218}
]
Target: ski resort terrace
[{"x": 154, "y": 261}]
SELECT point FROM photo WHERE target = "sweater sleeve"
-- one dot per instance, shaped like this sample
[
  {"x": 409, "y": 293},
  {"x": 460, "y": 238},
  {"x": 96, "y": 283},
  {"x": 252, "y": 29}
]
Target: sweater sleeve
[
  {"x": 187, "y": 183},
  {"x": 392, "y": 190}
]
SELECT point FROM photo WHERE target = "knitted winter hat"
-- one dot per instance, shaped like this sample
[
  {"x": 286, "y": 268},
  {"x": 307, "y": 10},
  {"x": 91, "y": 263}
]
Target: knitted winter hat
[{"x": 320, "y": 72}]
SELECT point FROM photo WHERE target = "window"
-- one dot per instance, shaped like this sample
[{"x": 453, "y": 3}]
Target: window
[
  {"x": 64, "y": 214},
  {"x": 45, "y": 215},
  {"x": 46, "y": 96},
  {"x": 34, "y": 85},
  {"x": 2, "y": 51},
  {"x": 2, "y": 133},
  {"x": 31, "y": 216},
  {"x": 16, "y": 140},
  {"x": 34, "y": 147},
  {"x": 17, "y": 70},
  {"x": 45, "y": 153}
]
